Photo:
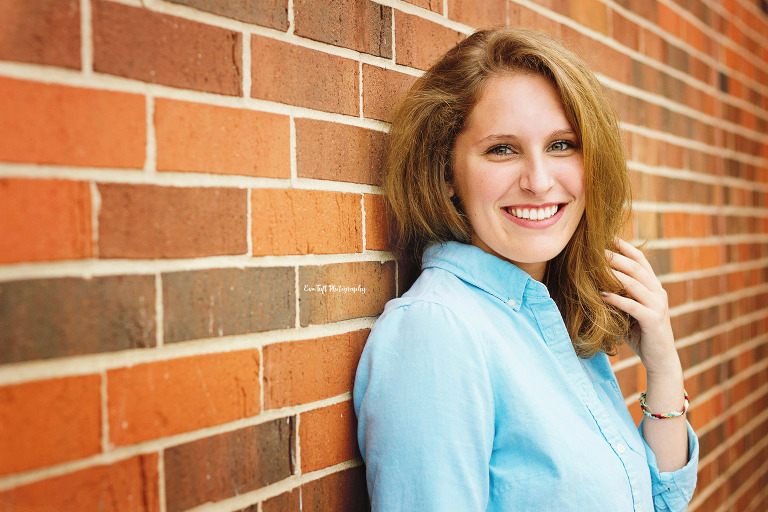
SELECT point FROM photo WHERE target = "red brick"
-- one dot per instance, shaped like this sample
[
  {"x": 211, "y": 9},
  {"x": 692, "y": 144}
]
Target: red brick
[
  {"x": 327, "y": 436},
  {"x": 287, "y": 502},
  {"x": 376, "y": 223},
  {"x": 60, "y": 317},
  {"x": 625, "y": 31},
  {"x": 332, "y": 151},
  {"x": 267, "y": 13},
  {"x": 525, "y": 17},
  {"x": 41, "y": 32},
  {"x": 229, "y": 464},
  {"x": 206, "y": 138},
  {"x": 332, "y": 293},
  {"x": 130, "y": 485},
  {"x": 48, "y": 422},
  {"x": 44, "y": 124},
  {"x": 42, "y": 220},
  {"x": 432, "y": 5},
  {"x": 383, "y": 89},
  {"x": 300, "y": 372},
  {"x": 591, "y": 13},
  {"x": 227, "y": 301},
  {"x": 419, "y": 42},
  {"x": 163, "y": 398},
  {"x": 344, "y": 491},
  {"x": 146, "y": 221},
  {"x": 360, "y": 25},
  {"x": 478, "y": 13},
  {"x": 291, "y": 221},
  {"x": 144, "y": 45},
  {"x": 286, "y": 73}
]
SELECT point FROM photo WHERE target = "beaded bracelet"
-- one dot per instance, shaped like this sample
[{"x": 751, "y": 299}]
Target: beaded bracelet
[{"x": 675, "y": 414}]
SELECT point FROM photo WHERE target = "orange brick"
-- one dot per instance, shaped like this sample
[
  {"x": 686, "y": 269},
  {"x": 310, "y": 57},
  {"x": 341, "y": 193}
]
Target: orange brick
[
  {"x": 130, "y": 485},
  {"x": 419, "y": 42},
  {"x": 675, "y": 224},
  {"x": 45, "y": 124},
  {"x": 478, "y": 13},
  {"x": 300, "y": 372},
  {"x": 327, "y": 436},
  {"x": 682, "y": 259},
  {"x": 44, "y": 220},
  {"x": 206, "y": 138},
  {"x": 286, "y": 73},
  {"x": 41, "y": 32},
  {"x": 163, "y": 398},
  {"x": 525, "y": 17},
  {"x": 376, "y": 223},
  {"x": 291, "y": 221},
  {"x": 383, "y": 89},
  {"x": 591, "y": 13},
  {"x": 668, "y": 19},
  {"x": 432, "y": 5},
  {"x": 48, "y": 422},
  {"x": 333, "y": 151},
  {"x": 625, "y": 31}
]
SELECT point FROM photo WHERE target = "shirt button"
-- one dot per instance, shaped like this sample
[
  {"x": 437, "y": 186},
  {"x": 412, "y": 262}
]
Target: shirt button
[
  {"x": 620, "y": 448},
  {"x": 511, "y": 302},
  {"x": 638, "y": 509}
]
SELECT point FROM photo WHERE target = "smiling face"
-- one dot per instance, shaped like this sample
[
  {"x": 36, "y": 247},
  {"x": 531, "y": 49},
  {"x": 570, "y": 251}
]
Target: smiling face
[{"x": 519, "y": 173}]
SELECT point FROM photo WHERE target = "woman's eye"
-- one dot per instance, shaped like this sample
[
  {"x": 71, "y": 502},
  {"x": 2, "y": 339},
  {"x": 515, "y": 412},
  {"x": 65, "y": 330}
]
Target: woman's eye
[
  {"x": 562, "y": 145},
  {"x": 500, "y": 150}
]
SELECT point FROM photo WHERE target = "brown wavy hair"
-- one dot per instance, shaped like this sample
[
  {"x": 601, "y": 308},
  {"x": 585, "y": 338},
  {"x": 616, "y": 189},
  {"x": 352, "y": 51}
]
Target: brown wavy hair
[{"x": 419, "y": 165}]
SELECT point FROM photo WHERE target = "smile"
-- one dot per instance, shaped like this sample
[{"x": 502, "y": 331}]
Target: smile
[{"x": 544, "y": 213}]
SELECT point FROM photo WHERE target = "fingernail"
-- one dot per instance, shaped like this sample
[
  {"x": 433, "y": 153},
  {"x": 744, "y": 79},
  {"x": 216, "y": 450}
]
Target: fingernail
[{"x": 603, "y": 294}]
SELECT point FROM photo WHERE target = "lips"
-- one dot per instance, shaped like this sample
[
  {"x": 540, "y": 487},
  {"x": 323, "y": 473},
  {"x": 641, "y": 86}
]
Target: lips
[{"x": 533, "y": 213}]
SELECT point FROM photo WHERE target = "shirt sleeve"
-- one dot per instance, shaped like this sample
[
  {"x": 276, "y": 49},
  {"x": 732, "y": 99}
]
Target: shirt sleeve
[
  {"x": 425, "y": 411},
  {"x": 673, "y": 491}
]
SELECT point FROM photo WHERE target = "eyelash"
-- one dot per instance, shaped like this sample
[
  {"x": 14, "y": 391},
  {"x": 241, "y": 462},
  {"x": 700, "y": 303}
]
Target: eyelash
[{"x": 495, "y": 150}]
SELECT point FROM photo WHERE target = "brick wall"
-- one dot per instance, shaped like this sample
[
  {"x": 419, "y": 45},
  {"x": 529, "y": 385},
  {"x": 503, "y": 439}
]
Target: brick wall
[{"x": 180, "y": 179}]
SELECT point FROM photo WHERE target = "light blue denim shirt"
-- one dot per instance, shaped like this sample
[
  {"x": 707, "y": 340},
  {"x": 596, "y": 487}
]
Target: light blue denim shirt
[{"x": 470, "y": 397}]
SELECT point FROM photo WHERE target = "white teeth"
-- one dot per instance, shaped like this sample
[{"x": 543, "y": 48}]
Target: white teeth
[{"x": 533, "y": 213}]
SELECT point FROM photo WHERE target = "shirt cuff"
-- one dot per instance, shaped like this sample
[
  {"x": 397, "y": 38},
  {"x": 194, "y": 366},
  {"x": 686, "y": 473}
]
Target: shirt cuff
[{"x": 673, "y": 490}]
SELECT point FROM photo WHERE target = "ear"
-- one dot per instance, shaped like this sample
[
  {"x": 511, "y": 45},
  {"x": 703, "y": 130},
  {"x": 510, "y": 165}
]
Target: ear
[{"x": 448, "y": 189}]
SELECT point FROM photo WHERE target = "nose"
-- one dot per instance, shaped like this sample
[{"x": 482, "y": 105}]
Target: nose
[{"x": 536, "y": 177}]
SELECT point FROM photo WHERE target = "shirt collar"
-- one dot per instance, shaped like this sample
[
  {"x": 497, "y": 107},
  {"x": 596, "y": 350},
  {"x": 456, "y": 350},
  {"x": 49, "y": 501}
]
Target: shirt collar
[{"x": 485, "y": 271}]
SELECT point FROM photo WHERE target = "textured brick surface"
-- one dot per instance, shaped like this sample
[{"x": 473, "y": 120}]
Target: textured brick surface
[
  {"x": 479, "y": 14},
  {"x": 268, "y": 13},
  {"x": 304, "y": 371},
  {"x": 41, "y": 32},
  {"x": 432, "y": 5},
  {"x": 305, "y": 221},
  {"x": 47, "y": 318},
  {"x": 344, "y": 491},
  {"x": 159, "y": 399},
  {"x": 228, "y": 464},
  {"x": 356, "y": 24},
  {"x": 146, "y": 221},
  {"x": 331, "y": 293},
  {"x": 290, "y": 74},
  {"x": 419, "y": 42},
  {"x": 130, "y": 485},
  {"x": 383, "y": 89},
  {"x": 376, "y": 223},
  {"x": 332, "y": 151},
  {"x": 286, "y": 502},
  {"x": 46, "y": 124},
  {"x": 207, "y": 138},
  {"x": 222, "y": 302},
  {"x": 156, "y": 48},
  {"x": 44, "y": 220},
  {"x": 72, "y": 406},
  {"x": 328, "y": 436}
]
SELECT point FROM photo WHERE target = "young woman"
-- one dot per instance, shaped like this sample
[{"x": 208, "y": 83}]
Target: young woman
[{"x": 487, "y": 386}]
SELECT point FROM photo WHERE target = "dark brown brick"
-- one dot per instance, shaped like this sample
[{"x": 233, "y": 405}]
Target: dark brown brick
[
  {"x": 287, "y": 502},
  {"x": 357, "y": 24},
  {"x": 332, "y": 151},
  {"x": 223, "y": 302},
  {"x": 420, "y": 42},
  {"x": 341, "y": 291},
  {"x": 304, "y": 371},
  {"x": 41, "y": 32},
  {"x": 157, "y": 48},
  {"x": 344, "y": 491},
  {"x": 229, "y": 464},
  {"x": 267, "y": 13},
  {"x": 147, "y": 221},
  {"x": 41, "y": 319},
  {"x": 383, "y": 89},
  {"x": 287, "y": 73},
  {"x": 129, "y": 485}
]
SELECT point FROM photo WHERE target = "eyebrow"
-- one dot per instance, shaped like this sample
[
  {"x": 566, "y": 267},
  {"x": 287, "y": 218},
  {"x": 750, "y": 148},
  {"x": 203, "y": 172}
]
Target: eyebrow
[{"x": 496, "y": 137}]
